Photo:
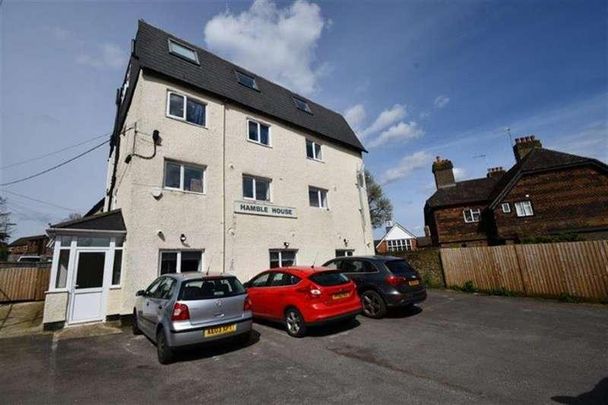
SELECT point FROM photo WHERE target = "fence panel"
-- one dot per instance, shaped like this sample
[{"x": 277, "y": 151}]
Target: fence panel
[
  {"x": 19, "y": 283},
  {"x": 579, "y": 269}
]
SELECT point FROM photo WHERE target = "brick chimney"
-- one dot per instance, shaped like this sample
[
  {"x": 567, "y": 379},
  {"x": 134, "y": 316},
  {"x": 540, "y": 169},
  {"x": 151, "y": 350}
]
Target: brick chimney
[
  {"x": 495, "y": 172},
  {"x": 443, "y": 169},
  {"x": 388, "y": 225},
  {"x": 524, "y": 145}
]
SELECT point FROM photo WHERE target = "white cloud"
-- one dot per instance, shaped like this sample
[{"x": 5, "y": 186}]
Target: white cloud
[
  {"x": 355, "y": 116},
  {"x": 406, "y": 166},
  {"x": 385, "y": 119},
  {"x": 441, "y": 101},
  {"x": 398, "y": 132},
  {"x": 459, "y": 173},
  {"x": 278, "y": 43},
  {"x": 107, "y": 56}
]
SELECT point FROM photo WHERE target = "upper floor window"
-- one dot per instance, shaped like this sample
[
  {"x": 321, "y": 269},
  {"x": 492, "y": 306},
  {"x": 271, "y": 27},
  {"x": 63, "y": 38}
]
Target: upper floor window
[
  {"x": 186, "y": 109},
  {"x": 282, "y": 258},
  {"x": 313, "y": 150},
  {"x": 258, "y": 132},
  {"x": 256, "y": 188},
  {"x": 183, "y": 51},
  {"x": 506, "y": 208},
  {"x": 471, "y": 215},
  {"x": 317, "y": 197},
  {"x": 184, "y": 177},
  {"x": 302, "y": 105},
  {"x": 246, "y": 80},
  {"x": 524, "y": 209}
]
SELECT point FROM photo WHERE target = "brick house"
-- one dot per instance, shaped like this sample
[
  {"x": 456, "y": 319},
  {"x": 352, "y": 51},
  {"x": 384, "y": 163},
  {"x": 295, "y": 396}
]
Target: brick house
[
  {"x": 396, "y": 239},
  {"x": 35, "y": 245},
  {"x": 546, "y": 193}
]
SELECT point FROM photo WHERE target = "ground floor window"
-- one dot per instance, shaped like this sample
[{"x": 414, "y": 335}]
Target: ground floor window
[
  {"x": 344, "y": 252},
  {"x": 117, "y": 267},
  {"x": 282, "y": 258},
  {"x": 398, "y": 245},
  {"x": 179, "y": 261}
]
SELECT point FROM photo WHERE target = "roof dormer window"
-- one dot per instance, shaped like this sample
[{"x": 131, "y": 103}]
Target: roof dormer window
[
  {"x": 183, "y": 51},
  {"x": 246, "y": 80},
  {"x": 302, "y": 105}
]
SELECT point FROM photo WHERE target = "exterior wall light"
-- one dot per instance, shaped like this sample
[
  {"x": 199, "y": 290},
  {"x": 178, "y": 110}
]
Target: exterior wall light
[
  {"x": 286, "y": 244},
  {"x": 182, "y": 238}
]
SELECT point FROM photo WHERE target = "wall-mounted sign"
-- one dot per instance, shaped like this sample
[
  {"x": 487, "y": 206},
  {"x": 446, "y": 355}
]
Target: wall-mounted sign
[{"x": 258, "y": 208}]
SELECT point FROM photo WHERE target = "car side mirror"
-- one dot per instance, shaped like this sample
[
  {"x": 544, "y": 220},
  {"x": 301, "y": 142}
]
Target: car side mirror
[
  {"x": 140, "y": 293},
  {"x": 247, "y": 284}
]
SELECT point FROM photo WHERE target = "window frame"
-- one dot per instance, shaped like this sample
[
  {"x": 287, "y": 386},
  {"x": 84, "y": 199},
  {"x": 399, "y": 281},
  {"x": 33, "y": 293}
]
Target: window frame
[
  {"x": 305, "y": 108},
  {"x": 182, "y": 169},
  {"x": 347, "y": 252},
  {"x": 185, "y": 108},
  {"x": 280, "y": 252},
  {"x": 524, "y": 214},
  {"x": 507, "y": 206},
  {"x": 178, "y": 263},
  {"x": 178, "y": 43},
  {"x": 472, "y": 211},
  {"x": 254, "y": 188},
  {"x": 320, "y": 192},
  {"x": 315, "y": 157},
  {"x": 399, "y": 245},
  {"x": 259, "y": 125},
  {"x": 239, "y": 73},
  {"x": 122, "y": 258}
]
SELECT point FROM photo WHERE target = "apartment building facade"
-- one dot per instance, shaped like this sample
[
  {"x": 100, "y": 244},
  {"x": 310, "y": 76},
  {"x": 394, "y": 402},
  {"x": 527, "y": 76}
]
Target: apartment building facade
[{"x": 212, "y": 168}]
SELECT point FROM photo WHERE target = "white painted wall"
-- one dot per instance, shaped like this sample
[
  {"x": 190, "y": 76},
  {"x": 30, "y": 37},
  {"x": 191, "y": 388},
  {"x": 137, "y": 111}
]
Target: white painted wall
[{"x": 316, "y": 233}]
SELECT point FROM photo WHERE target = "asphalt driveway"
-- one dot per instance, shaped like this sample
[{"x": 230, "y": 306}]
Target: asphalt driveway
[{"x": 457, "y": 349}]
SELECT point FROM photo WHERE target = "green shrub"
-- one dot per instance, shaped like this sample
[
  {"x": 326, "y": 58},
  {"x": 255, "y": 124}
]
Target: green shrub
[
  {"x": 564, "y": 237},
  {"x": 565, "y": 297}
]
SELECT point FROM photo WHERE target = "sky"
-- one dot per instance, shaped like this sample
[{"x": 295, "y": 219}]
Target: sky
[{"x": 415, "y": 79}]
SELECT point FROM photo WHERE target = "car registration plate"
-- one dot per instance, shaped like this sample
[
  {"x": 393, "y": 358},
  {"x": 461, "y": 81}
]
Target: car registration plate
[
  {"x": 414, "y": 282},
  {"x": 340, "y": 296},
  {"x": 220, "y": 330}
]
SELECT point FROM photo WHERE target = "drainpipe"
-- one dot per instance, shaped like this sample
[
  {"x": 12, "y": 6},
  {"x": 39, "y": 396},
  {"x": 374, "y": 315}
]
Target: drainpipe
[{"x": 224, "y": 187}]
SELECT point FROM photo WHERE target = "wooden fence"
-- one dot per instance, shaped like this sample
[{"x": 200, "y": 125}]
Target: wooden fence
[
  {"x": 19, "y": 283},
  {"x": 579, "y": 269}
]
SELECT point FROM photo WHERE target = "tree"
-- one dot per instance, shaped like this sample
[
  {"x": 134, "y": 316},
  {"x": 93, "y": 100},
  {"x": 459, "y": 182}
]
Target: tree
[
  {"x": 6, "y": 228},
  {"x": 72, "y": 217},
  {"x": 380, "y": 207}
]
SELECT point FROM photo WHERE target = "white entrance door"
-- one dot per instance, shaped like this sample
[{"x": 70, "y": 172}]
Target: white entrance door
[{"x": 87, "y": 291}]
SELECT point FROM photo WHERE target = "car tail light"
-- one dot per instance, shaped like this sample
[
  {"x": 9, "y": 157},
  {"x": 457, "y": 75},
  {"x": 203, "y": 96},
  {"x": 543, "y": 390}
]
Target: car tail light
[
  {"x": 247, "y": 304},
  {"x": 314, "y": 292},
  {"x": 180, "y": 312},
  {"x": 394, "y": 280}
]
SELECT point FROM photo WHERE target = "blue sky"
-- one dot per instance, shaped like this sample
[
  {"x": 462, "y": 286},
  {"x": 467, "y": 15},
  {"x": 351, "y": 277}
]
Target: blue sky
[{"x": 416, "y": 79}]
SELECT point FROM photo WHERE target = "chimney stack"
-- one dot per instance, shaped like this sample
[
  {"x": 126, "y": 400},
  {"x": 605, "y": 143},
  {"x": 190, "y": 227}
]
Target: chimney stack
[
  {"x": 525, "y": 145},
  {"x": 443, "y": 169},
  {"x": 495, "y": 172}
]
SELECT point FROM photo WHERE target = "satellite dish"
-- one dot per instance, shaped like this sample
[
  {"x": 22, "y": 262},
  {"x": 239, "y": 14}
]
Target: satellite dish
[{"x": 157, "y": 193}]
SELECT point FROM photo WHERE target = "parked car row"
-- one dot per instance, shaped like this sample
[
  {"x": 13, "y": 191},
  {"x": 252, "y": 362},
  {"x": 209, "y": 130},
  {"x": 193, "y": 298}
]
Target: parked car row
[{"x": 185, "y": 309}]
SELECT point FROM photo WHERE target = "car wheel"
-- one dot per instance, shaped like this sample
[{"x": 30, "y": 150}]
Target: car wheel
[
  {"x": 134, "y": 326},
  {"x": 164, "y": 351},
  {"x": 294, "y": 323},
  {"x": 373, "y": 304}
]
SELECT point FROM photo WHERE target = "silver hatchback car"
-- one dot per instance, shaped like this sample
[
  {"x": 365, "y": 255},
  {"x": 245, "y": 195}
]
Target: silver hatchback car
[{"x": 185, "y": 309}]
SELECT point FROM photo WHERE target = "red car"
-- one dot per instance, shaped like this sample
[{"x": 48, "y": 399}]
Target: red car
[{"x": 303, "y": 296}]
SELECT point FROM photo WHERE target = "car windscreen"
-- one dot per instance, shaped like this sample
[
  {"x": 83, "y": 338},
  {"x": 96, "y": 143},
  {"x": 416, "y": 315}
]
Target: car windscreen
[
  {"x": 400, "y": 267},
  {"x": 209, "y": 288},
  {"x": 329, "y": 278}
]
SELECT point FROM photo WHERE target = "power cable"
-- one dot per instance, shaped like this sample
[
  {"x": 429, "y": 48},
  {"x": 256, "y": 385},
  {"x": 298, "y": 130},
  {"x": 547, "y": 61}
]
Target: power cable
[
  {"x": 54, "y": 167},
  {"x": 52, "y": 153},
  {"x": 38, "y": 201}
]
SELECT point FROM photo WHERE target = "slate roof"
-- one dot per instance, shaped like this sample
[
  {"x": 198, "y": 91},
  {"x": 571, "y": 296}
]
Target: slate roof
[
  {"x": 217, "y": 76},
  {"x": 468, "y": 191},
  {"x": 106, "y": 221},
  {"x": 538, "y": 160},
  {"x": 492, "y": 189}
]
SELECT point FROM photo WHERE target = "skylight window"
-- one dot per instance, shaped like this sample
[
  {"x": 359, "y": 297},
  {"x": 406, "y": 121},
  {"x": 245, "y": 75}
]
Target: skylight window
[
  {"x": 183, "y": 51},
  {"x": 246, "y": 80},
  {"x": 302, "y": 105}
]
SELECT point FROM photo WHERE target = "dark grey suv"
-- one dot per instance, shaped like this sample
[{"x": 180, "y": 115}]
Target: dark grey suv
[{"x": 382, "y": 282}]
